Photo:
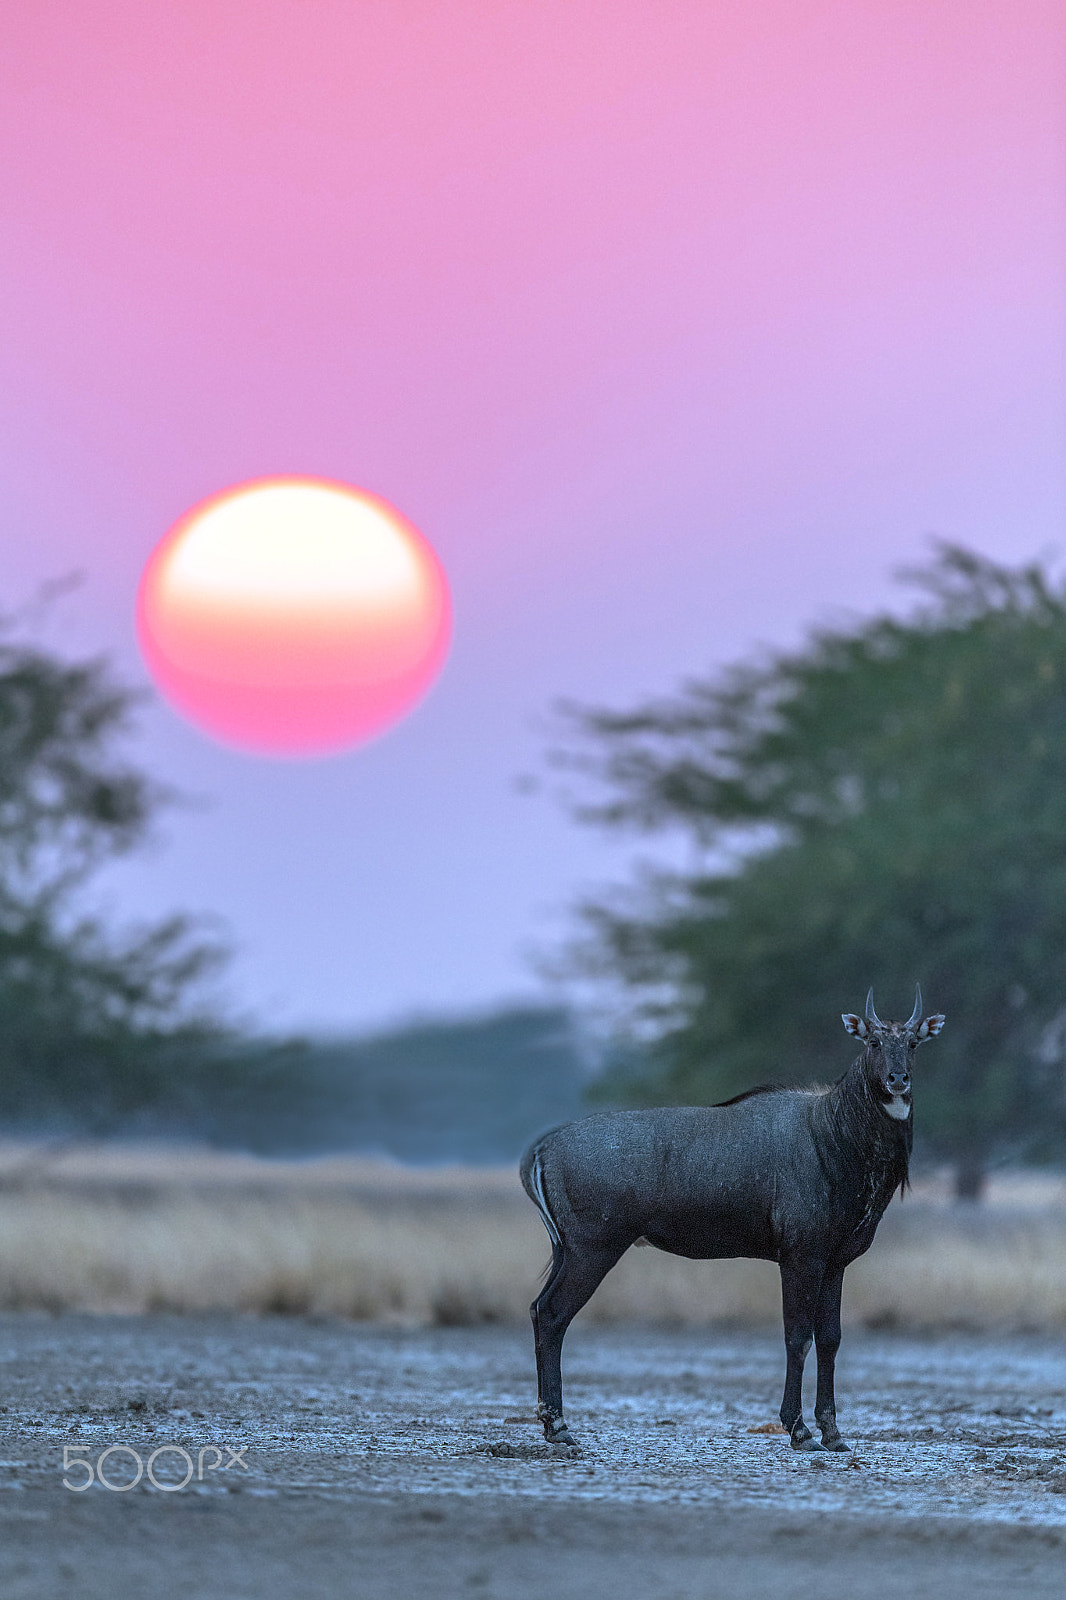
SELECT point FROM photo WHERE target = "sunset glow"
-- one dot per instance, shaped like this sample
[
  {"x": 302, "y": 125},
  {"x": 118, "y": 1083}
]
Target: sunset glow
[
  {"x": 677, "y": 329},
  {"x": 293, "y": 616}
]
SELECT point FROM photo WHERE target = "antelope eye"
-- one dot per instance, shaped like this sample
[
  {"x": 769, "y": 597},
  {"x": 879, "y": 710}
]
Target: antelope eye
[
  {"x": 875, "y": 1043},
  {"x": 913, "y": 1045}
]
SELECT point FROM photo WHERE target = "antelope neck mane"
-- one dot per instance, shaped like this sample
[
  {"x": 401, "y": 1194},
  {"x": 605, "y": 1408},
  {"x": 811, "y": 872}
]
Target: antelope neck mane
[
  {"x": 853, "y": 1125},
  {"x": 749, "y": 1094}
]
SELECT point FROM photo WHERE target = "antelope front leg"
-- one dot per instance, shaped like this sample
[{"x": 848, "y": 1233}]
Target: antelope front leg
[
  {"x": 800, "y": 1286},
  {"x": 827, "y": 1340}
]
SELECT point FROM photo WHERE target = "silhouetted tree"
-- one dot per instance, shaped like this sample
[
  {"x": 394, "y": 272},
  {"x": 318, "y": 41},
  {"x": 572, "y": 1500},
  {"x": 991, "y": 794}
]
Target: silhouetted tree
[
  {"x": 885, "y": 805},
  {"x": 93, "y": 1024}
]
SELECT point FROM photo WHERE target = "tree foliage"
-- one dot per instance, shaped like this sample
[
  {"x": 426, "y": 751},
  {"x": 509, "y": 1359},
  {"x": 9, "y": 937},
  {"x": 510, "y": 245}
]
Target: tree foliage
[
  {"x": 93, "y": 1024},
  {"x": 885, "y": 805}
]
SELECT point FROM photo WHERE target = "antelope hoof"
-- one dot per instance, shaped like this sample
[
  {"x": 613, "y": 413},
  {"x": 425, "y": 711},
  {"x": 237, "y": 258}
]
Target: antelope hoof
[
  {"x": 555, "y": 1429},
  {"x": 836, "y": 1444},
  {"x": 801, "y": 1438}
]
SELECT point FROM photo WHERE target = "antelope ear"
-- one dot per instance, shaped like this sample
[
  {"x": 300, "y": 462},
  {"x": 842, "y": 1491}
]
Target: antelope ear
[
  {"x": 856, "y": 1025},
  {"x": 930, "y": 1027}
]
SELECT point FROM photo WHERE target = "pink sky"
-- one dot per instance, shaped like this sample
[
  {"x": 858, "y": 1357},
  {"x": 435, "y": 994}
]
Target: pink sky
[{"x": 672, "y": 326}]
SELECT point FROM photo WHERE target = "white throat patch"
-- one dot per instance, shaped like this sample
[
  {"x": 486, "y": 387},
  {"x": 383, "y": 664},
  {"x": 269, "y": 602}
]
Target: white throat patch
[{"x": 899, "y": 1107}]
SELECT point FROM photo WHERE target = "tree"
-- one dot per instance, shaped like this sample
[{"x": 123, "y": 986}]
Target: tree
[
  {"x": 93, "y": 1024},
  {"x": 885, "y": 805}
]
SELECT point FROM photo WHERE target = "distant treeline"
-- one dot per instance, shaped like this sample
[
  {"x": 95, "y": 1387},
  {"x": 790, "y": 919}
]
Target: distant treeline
[{"x": 471, "y": 1091}]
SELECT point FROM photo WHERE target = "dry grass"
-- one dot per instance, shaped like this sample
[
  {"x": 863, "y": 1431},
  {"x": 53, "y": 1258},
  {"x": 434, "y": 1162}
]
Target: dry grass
[{"x": 139, "y": 1229}]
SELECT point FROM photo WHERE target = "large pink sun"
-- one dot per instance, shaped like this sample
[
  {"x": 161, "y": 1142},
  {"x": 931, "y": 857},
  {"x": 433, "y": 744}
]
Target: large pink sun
[{"x": 293, "y": 616}]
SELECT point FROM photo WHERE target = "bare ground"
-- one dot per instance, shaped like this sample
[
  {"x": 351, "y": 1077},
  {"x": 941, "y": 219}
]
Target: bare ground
[{"x": 377, "y": 1461}]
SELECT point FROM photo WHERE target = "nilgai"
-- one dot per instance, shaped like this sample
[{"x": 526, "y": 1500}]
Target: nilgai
[{"x": 797, "y": 1176}]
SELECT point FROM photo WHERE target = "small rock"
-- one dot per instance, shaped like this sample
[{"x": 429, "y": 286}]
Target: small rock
[{"x": 504, "y": 1450}]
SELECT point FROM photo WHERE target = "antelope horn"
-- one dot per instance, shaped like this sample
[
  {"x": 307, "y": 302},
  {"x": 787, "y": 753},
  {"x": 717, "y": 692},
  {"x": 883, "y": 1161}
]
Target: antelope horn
[
  {"x": 916, "y": 1014},
  {"x": 871, "y": 1014}
]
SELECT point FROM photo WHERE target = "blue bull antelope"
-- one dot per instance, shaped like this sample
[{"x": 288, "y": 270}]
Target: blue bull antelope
[{"x": 797, "y": 1176}]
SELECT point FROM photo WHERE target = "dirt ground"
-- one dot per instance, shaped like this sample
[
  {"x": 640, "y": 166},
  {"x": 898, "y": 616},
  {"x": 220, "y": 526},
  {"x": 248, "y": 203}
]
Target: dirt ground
[{"x": 328, "y": 1458}]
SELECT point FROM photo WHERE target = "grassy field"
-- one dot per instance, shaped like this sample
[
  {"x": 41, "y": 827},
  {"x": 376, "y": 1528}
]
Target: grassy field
[{"x": 147, "y": 1229}]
